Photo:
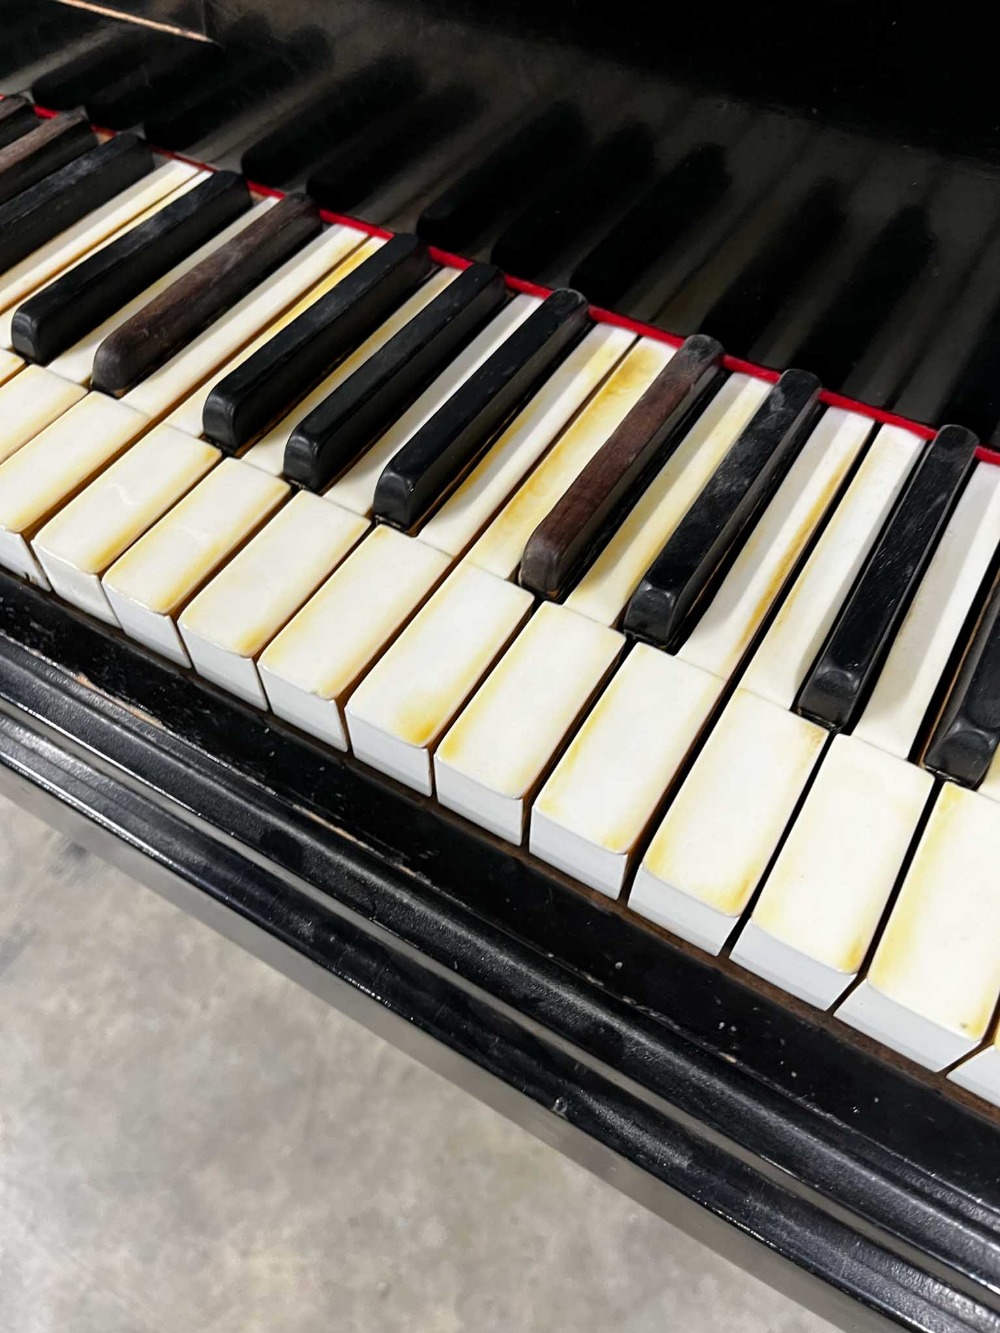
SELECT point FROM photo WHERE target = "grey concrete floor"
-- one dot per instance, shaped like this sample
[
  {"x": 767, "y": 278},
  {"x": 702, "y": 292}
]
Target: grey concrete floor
[{"x": 189, "y": 1142}]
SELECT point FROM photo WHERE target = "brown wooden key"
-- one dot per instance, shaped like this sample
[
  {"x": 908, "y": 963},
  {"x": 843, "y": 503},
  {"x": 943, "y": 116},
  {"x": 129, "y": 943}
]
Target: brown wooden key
[
  {"x": 173, "y": 319},
  {"x": 570, "y": 534}
]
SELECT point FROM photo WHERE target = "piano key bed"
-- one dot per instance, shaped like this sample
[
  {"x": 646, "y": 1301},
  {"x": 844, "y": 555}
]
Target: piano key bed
[{"x": 624, "y": 719}]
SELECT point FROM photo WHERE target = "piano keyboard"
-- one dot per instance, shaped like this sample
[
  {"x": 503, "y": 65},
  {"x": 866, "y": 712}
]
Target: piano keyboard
[{"x": 703, "y": 643}]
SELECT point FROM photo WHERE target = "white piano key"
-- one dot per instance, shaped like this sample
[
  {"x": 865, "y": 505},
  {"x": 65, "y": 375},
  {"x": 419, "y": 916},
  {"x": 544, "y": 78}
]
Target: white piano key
[
  {"x": 926, "y": 639},
  {"x": 610, "y": 581},
  {"x": 933, "y": 983},
  {"x": 317, "y": 659},
  {"x": 269, "y": 451},
  {"x": 492, "y": 760},
  {"x": 236, "y": 616},
  {"x": 161, "y": 391},
  {"x": 777, "y": 540},
  {"x": 594, "y": 809},
  {"x": 980, "y": 1073},
  {"x": 477, "y": 498},
  {"x": 86, "y": 537},
  {"x": 346, "y": 248},
  {"x": 721, "y": 830},
  {"x": 356, "y": 488},
  {"x": 77, "y": 362},
  {"x": 102, "y": 225},
  {"x": 791, "y": 644},
  {"x": 404, "y": 705},
  {"x": 52, "y": 467},
  {"x": 10, "y": 364},
  {"x": 821, "y": 904},
  {"x": 151, "y": 583},
  {"x": 501, "y": 546},
  {"x": 32, "y": 400}
]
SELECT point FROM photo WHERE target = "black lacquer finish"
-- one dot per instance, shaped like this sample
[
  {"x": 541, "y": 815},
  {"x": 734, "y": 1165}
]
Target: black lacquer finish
[
  {"x": 295, "y": 359},
  {"x": 92, "y": 291},
  {"x": 968, "y": 731},
  {"x": 370, "y": 399},
  {"x": 441, "y": 451},
  {"x": 837, "y": 686},
  {"x": 55, "y": 203},
  {"x": 742, "y": 484},
  {"x": 780, "y": 1126}
]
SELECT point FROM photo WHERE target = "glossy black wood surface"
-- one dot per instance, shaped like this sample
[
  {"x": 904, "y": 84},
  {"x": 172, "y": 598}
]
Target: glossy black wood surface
[{"x": 788, "y": 1128}]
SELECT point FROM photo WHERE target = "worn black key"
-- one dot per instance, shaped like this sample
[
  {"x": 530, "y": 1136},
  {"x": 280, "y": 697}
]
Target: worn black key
[
  {"x": 485, "y": 193},
  {"x": 576, "y": 200},
  {"x": 668, "y": 210},
  {"x": 45, "y": 149},
  {"x": 44, "y": 210},
  {"x": 91, "y": 292},
  {"x": 849, "y": 662},
  {"x": 967, "y": 733},
  {"x": 423, "y": 471},
  {"x": 203, "y": 295},
  {"x": 740, "y": 487},
  {"x": 308, "y": 132},
  {"x": 361, "y": 165},
  {"x": 123, "y": 101},
  {"x": 16, "y": 118},
  {"x": 572, "y": 533},
  {"x": 367, "y": 402},
  {"x": 291, "y": 363}
]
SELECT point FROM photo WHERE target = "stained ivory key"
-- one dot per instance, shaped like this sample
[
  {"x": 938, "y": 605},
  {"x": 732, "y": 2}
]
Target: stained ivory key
[
  {"x": 834, "y": 691},
  {"x": 560, "y": 544},
  {"x": 934, "y": 980},
  {"x": 311, "y": 668},
  {"x": 404, "y": 705},
  {"x": 724, "y": 825},
  {"x": 745, "y": 480},
  {"x": 237, "y": 615},
  {"x": 86, "y": 537},
  {"x": 822, "y": 902},
  {"x": 493, "y": 759},
  {"x": 143, "y": 343},
  {"x": 593, "y": 810},
  {"x": 31, "y": 401},
  {"x": 152, "y": 582}
]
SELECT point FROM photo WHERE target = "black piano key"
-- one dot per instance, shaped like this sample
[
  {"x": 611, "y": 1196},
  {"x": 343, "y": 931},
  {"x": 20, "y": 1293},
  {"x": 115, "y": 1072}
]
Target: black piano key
[
  {"x": 361, "y": 408},
  {"x": 604, "y": 492},
  {"x": 170, "y": 321},
  {"x": 37, "y": 214},
  {"x": 743, "y": 483},
  {"x": 893, "y": 262},
  {"x": 16, "y": 118},
  {"x": 114, "y": 52},
  {"x": 742, "y": 312},
  {"x": 45, "y": 149},
  {"x": 307, "y": 133},
  {"x": 669, "y": 209},
  {"x": 91, "y": 292},
  {"x": 575, "y": 201},
  {"x": 361, "y": 165},
  {"x": 295, "y": 359},
  {"x": 836, "y": 687},
  {"x": 485, "y": 193},
  {"x": 967, "y": 733},
  {"x": 439, "y": 454},
  {"x": 124, "y": 100}
]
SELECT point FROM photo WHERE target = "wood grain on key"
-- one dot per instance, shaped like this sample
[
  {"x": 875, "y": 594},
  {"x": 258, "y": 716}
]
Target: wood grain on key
[
  {"x": 559, "y": 545},
  {"x": 45, "y": 209},
  {"x": 17, "y": 117},
  {"x": 45, "y": 149},
  {"x": 78, "y": 302},
  {"x": 167, "y": 324}
]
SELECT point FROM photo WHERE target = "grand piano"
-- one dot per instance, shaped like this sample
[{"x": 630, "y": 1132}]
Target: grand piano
[{"x": 499, "y": 516}]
